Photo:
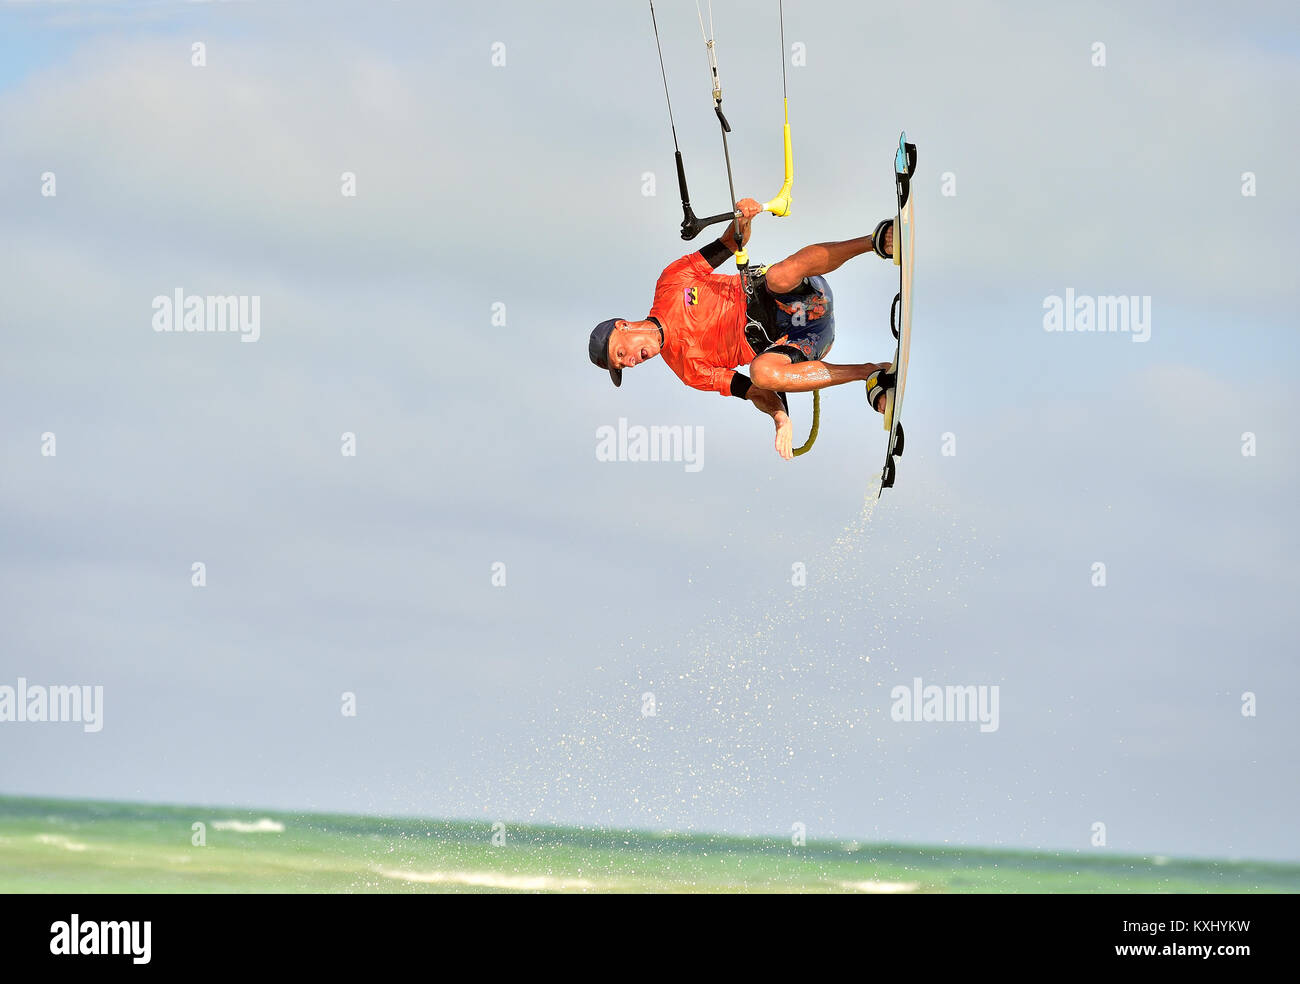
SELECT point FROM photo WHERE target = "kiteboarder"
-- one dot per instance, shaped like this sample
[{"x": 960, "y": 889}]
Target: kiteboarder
[{"x": 705, "y": 324}]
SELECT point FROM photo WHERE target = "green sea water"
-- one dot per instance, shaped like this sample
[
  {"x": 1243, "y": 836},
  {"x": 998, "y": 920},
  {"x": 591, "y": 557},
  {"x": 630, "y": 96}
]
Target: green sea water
[{"x": 78, "y": 846}]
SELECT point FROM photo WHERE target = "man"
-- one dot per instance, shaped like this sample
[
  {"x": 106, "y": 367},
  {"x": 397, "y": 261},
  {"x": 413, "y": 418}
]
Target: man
[{"x": 704, "y": 325}]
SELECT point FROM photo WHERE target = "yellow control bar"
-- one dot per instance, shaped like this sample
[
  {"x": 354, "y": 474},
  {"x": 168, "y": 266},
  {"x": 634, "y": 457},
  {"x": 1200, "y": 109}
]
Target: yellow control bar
[{"x": 780, "y": 205}]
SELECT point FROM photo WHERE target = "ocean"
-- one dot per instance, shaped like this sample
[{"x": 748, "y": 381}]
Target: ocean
[{"x": 75, "y": 846}]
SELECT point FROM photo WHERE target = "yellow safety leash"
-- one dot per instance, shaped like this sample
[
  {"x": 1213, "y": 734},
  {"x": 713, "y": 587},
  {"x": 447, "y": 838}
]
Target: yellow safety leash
[{"x": 817, "y": 419}]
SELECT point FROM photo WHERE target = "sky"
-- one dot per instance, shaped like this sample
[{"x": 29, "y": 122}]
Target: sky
[{"x": 527, "y": 633}]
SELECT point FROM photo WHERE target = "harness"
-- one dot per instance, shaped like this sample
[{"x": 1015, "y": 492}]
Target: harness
[{"x": 760, "y": 312}]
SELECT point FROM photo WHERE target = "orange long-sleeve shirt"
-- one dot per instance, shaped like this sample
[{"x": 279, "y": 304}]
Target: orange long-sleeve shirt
[{"x": 703, "y": 318}]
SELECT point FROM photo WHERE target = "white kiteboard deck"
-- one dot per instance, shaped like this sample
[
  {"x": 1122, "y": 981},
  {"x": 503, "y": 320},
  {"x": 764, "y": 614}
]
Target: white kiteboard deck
[{"x": 900, "y": 312}]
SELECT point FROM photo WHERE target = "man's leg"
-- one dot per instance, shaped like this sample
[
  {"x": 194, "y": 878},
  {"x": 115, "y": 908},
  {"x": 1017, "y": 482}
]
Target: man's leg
[
  {"x": 777, "y": 371},
  {"x": 820, "y": 258}
]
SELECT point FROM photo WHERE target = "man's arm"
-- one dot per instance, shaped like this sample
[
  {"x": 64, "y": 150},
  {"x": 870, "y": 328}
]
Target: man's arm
[
  {"x": 748, "y": 208},
  {"x": 724, "y": 247}
]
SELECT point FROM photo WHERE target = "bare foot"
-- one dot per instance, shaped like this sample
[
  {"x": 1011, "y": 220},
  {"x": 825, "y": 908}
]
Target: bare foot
[{"x": 785, "y": 437}]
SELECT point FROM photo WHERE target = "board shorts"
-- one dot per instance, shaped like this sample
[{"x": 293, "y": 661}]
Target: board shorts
[{"x": 805, "y": 316}]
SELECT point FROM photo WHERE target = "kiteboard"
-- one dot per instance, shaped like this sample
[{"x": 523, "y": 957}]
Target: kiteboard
[{"x": 900, "y": 312}]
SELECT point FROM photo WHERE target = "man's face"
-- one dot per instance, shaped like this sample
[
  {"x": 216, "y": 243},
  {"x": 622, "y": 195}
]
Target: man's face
[{"x": 633, "y": 342}]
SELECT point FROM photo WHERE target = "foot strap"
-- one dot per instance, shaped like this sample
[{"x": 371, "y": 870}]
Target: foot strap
[
  {"x": 897, "y": 449},
  {"x": 878, "y": 239},
  {"x": 878, "y": 383}
]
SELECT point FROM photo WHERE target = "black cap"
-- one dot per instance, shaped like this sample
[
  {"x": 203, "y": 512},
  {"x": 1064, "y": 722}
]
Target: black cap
[{"x": 598, "y": 348}]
